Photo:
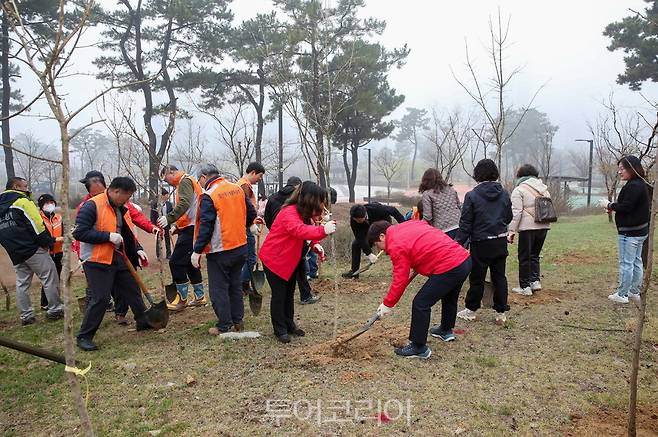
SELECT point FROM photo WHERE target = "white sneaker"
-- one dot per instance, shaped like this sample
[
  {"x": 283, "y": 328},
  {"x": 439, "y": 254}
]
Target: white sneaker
[
  {"x": 535, "y": 286},
  {"x": 615, "y": 297},
  {"x": 635, "y": 297},
  {"x": 527, "y": 291},
  {"x": 466, "y": 314},
  {"x": 501, "y": 318}
]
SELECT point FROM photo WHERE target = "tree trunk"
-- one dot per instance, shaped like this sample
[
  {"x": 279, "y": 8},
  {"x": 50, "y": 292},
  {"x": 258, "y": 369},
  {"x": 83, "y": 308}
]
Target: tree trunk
[
  {"x": 355, "y": 168},
  {"x": 280, "y": 169},
  {"x": 637, "y": 335},
  {"x": 6, "y": 99},
  {"x": 65, "y": 288},
  {"x": 260, "y": 123},
  {"x": 412, "y": 173},
  {"x": 348, "y": 173}
]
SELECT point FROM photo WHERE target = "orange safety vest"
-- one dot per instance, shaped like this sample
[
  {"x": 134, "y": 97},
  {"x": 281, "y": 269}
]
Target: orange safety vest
[
  {"x": 252, "y": 196},
  {"x": 189, "y": 217},
  {"x": 415, "y": 215},
  {"x": 106, "y": 221},
  {"x": 228, "y": 200},
  {"x": 54, "y": 226}
]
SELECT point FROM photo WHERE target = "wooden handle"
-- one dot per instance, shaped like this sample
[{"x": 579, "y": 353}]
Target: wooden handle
[
  {"x": 134, "y": 274},
  {"x": 32, "y": 350}
]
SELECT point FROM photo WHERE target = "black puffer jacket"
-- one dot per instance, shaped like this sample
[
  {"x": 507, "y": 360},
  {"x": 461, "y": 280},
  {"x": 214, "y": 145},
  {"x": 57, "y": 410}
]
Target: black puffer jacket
[
  {"x": 274, "y": 204},
  {"x": 22, "y": 231},
  {"x": 486, "y": 212},
  {"x": 632, "y": 209}
]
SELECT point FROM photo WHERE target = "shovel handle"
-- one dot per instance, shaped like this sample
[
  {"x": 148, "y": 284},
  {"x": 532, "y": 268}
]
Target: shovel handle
[{"x": 136, "y": 277}]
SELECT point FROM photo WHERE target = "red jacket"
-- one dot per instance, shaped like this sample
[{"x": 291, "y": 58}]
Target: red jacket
[
  {"x": 136, "y": 216},
  {"x": 417, "y": 245},
  {"x": 282, "y": 249}
]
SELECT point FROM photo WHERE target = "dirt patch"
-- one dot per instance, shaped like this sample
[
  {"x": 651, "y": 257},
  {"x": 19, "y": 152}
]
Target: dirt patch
[
  {"x": 347, "y": 286},
  {"x": 378, "y": 342},
  {"x": 542, "y": 297},
  {"x": 606, "y": 422},
  {"x": 576, "y": 258},
  {"x": 356, "y": 376}
]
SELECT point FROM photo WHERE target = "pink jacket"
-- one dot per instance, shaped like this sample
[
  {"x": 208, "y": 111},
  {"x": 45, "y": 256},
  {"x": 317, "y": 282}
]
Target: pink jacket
[{"x": 282, "y": 249}]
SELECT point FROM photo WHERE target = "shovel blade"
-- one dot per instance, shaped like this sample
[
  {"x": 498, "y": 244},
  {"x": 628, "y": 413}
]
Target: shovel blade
[
  {"x": 259, "y": 279},
  {"x": 255, "y": 302},
  {"x": 158, "y": 315}
]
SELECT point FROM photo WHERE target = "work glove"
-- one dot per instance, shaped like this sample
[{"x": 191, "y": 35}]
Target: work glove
[
  {"x": 173, "y": 230},
  {"x": 259, "y": 221},
  {"x": 162, "y": 222},
  {"x": 116, "y": 239},
  {"x": 253, "y": 229},
  {"x": 195, "y": 259},
  {"x": 59, "y": 240},
  {"x": 510, "y": 238},
  {"x": 320, "y": 251},
  {"x": 326, "y": 216},
  {"x": 143, "y": 259},
  {"x": 330, "y": 227},
  {"x": 157, "y": 231},
  {"x": 383, "y": 310},
  {"x": 372, "y": 258},
  {"x": 603, "y": 203}
]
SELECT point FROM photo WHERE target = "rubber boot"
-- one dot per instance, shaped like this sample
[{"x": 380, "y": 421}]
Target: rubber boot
[
  {"x": 199, "y": 296},
  {"x": 182, "y": 292}
]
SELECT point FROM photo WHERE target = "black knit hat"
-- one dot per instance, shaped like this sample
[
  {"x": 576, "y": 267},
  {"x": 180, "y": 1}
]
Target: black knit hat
[{"x": 45, "y": 198}]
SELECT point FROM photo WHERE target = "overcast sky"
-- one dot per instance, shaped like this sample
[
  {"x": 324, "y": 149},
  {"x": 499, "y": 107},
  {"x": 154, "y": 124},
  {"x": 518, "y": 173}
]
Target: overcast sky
[{"x": 558, "y": 43}]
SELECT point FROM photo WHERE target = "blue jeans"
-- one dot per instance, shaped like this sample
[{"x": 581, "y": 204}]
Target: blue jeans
[
  {"x": 312, "y": 264},
  {"x": 630, "y": 264},
  {"x": 251, "y": 257}
]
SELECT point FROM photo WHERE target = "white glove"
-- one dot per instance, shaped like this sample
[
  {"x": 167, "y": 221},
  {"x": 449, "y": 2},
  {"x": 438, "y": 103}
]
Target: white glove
[
  {"x": 173, "y": 229},
  {"x": 372, "y": 258},
  {"x": 253, "y": 229},
  {"x": 196, "y": 260},
  {"x": 143, "y": 259},
  {"x": 162, "y": 222},
  {"x": 510, "y": 238},
  {"x": 319, "y": 250},
  {"x": 156, "y": 231},
  {"x": 383, "y": 310},
  {"x": 116, "y": 239},
  {"x": 330, "y": 227},
  {"x": 326, "y": 217},
  {"x": 603, "y": 203}
]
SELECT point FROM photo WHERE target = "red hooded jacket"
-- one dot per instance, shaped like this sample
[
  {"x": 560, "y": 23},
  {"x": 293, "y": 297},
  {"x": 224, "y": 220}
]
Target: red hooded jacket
[
  {"x": 282, "y": 249},
  {"x": 417, "y": 245}
]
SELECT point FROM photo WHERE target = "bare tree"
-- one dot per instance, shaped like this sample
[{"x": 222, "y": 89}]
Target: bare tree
[
  {"x": 450, "y": 138},
  {"x": 495, "y": 108},
  {"x": 388, "y": 165},
  {"x": 191, "y": 150},
  {"x": 31, "y": 165}
]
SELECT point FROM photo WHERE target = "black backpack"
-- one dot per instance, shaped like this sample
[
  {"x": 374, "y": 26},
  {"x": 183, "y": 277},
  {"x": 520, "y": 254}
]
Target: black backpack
[{"x": 544, "y": 209}]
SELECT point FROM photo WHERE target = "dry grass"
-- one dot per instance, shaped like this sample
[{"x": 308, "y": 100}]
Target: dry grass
[{"x": 530, "y": 377}]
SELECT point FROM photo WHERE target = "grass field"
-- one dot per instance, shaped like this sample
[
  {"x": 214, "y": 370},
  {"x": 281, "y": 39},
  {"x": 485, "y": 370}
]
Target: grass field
[{"x": 541, "y": 374}]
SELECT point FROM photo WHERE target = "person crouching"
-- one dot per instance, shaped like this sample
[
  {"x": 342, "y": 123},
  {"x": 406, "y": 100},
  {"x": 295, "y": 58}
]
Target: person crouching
[
  {"x": 417, "y": 245},
  {"x": 281, "y": 253}
]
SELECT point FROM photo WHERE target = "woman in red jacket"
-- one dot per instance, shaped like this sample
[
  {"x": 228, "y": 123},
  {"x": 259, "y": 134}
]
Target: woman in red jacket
[
  {"x": 417, "y": 245},
  {"x": 281, "y": 253}
]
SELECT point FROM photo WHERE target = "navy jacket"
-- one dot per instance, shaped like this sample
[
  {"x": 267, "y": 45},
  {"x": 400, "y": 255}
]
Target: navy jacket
[
  {"x": 274, "y": 204},
  {"x": 486, "y": 213},
  {"x": 376, "y": 212}
]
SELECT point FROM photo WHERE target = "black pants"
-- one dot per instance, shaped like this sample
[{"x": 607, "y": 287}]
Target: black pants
[
  {"x": 452, "y": 234},
  {"x": 167, "y": 241},
  {"x": 530, "y": 245},
  {"x": 103, "y": 280},
  {"x": 57, "y": 258},
  {"x": 182, "y": 270},
  {"x": 492, "y": 255},
  {"x": 282, "y": 305},
  {"x": 302, "y": 279},
  {"x": 356, "y": 256},
  {"x": 224, "y": 269},
  {"x": 444, "y": 287}
]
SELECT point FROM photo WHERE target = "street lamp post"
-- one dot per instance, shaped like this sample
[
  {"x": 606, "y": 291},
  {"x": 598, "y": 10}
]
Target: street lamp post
[
  {"x": 589, "y": 171},
  {"x": 369, "y": 173}
]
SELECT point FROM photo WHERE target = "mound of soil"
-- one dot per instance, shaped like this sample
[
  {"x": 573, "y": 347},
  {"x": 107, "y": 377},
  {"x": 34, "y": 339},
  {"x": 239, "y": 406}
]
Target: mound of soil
[
  {"x": 377, "y": 342},
  {"x": 348, "y": 286},
  {"x": 577, "y": 258},
  {"x": 612, "y": 423}
]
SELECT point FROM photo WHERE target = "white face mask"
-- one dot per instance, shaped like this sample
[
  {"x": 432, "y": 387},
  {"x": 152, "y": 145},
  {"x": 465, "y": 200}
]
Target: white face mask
[{"x": 49, "y": 208}]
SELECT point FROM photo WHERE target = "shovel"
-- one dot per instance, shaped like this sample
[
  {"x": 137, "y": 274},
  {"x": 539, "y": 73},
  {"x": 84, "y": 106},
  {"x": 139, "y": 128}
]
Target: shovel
[
  {"x": 257, "y": 282},
  {"x": 362, "y": 330},
  {"x": 367, "y": 266},
  {"x": 158, "y": 315}
]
